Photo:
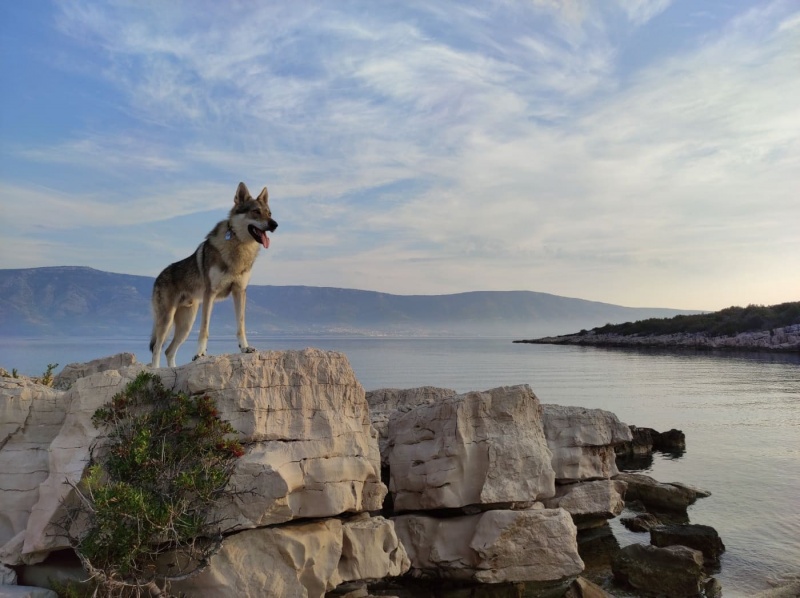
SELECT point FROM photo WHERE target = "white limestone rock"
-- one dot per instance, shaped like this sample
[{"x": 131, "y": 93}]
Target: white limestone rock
[
  {"x": 31, "y": 416},
  {"x": 495, "y": 546},
  {"x": 479, "y": 448},
  {"x": 582, "y": 441},
  {"x": 72, "y": 371},
  {"x": 590, "y": 503},
  {"x": 301, "y": 560},
  {"x": 384, "y": 402},
  {"x": 302, "y": 415}
]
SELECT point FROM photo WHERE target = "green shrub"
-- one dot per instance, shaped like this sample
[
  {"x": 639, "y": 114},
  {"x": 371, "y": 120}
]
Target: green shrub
[{"x": 147, "y": 511}]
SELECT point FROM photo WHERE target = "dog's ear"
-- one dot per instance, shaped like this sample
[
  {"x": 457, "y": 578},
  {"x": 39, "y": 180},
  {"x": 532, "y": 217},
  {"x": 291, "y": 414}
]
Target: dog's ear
[
  {"x": 242, "y": 194},
  {"x": 263, "y": 197}
]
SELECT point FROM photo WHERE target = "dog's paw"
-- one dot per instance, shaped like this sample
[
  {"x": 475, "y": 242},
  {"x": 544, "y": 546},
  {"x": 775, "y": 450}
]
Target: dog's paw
[
  {"x": 198, "y": 356},
  {"x": 248, "y": 350}
]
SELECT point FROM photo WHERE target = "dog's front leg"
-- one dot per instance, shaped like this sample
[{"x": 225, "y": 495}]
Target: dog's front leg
[
  {"x": 239, "y": 303},
  {"x": 202, "y": 339}
]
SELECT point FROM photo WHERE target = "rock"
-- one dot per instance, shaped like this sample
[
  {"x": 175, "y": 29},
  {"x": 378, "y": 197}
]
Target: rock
[
  {"x": 8, "y": 577},
  {"x": 479, "y": 448},
  {"x": 302, "y": 415},
  {"x": 583, "y": 588},
  {"x": 582, "y": 441},
  {"x": 713, "y": 589},
  {"x": 641, "y": 442},
  {"x": 386, "y": 401},
  {"x": 537, "y": 545},
  {"x": 671, "y": 497},
  {"x": 671, "y": 441},
  {"x": 71, "y": 372},
  {"x": 300, "y": 560},
  {"x": 700, "y": 537},
  {"x": 673, "y": 572},
  {"x": 31, "y": 416},
  {"x": 640, "y": 523},
  {"x": 590, "y": 503}
]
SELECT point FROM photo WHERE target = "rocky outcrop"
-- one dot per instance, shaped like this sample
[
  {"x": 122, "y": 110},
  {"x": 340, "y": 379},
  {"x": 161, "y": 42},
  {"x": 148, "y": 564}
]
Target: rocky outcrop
[
  {"x": 673, "y": 572},
  {"x": 479, "y": 448},
  {"x": 311, "y": 455},
  {"x": 582, "y": 441},
  {"x": 786, "y": 338}
]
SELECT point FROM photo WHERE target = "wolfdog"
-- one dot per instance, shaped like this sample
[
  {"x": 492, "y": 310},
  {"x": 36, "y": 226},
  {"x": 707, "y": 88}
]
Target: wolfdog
[{"x": 220, "y": 266}]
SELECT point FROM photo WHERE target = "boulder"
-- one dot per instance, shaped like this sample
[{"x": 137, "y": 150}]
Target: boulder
[
  {"x": 479, "y": 448},
  {"x": 384, "y": 402},
  {"x": 302, "y": 415},
  {"x": 641, "y": 522},
  {"x": 671, "y": 441},
  {"x": 700, "y": 537},
  {"x": 300, "y": 559},
  {"x": 673, "y": 572},
  {"x": 582, "y": 441},
  {"x": 590, "y": 503},
  {"x": 532, "y": 545},
  {"x": 668, "y": 496},
  {"x": 71, "y": 372}
]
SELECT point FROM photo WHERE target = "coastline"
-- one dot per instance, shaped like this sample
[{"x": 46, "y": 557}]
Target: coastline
[{"x": 780, "y": 340}]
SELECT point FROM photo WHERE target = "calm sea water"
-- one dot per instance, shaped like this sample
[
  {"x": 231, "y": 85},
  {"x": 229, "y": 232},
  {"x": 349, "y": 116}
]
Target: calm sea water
[{"x": 740, "y": 413}]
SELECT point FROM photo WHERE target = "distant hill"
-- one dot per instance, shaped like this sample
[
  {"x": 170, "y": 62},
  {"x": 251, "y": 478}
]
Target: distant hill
[{"x": 78, "y": 301}]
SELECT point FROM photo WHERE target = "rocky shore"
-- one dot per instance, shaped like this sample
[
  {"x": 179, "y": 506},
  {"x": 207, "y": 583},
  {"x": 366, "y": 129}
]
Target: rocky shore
[
  {"x": 778, "y": 339},
  {"x": 351, "y": 493}
]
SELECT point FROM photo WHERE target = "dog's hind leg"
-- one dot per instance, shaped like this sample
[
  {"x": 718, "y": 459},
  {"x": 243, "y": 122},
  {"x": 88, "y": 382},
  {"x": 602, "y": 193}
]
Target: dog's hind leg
[
  {"x": 239, "y": 303},
  {"x": 162, "y": 322},
  {"x": 184, "y": 318},
  {"x": 202, "y": 339}
]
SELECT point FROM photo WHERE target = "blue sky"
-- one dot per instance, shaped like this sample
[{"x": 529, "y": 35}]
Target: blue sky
[{"x": 639, "y": 152}]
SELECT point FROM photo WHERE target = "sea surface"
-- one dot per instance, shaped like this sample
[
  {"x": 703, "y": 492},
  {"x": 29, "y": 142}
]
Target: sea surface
[{"x": 740, "y": 413}]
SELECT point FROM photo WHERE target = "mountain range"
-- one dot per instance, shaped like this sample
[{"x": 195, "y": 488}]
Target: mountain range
[{"x": 80, "y": 301}]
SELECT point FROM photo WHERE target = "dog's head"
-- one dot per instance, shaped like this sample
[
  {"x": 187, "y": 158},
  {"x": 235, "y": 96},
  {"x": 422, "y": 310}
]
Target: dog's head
[{"x": 252, "y": 216}]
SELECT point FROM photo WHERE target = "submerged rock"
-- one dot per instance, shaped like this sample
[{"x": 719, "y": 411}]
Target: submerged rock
[{"x": 674, "y": 572}]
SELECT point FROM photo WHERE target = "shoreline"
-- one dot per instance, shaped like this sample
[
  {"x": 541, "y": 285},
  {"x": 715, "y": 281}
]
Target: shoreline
[{"x": 778, "y": 340}]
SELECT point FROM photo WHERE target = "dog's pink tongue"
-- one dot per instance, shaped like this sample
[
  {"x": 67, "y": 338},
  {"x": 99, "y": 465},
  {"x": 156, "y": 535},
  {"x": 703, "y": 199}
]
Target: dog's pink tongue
[{"x": 264, "y": 240}]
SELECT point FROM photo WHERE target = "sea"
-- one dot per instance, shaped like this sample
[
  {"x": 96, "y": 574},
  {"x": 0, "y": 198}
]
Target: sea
[{"x": 740, "y": 413}]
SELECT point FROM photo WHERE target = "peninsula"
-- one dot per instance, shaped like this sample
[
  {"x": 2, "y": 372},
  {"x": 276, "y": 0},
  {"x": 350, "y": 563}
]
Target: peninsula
[{"x": 754, "y": 328}]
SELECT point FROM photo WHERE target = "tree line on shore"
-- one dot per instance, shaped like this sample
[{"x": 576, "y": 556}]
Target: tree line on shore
[{"x": 726, "y": 322}]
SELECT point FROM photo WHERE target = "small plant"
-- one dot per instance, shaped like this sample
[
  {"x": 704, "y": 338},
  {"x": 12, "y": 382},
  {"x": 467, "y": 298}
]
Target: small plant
[
  {"x": 4, "y": 373},
  {"x": 47, "y": 377},
  {"x": 147, "y": 511}
]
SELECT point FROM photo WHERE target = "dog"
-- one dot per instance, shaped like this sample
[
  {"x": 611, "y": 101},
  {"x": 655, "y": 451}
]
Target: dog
[{"x": 219, "y": 267}]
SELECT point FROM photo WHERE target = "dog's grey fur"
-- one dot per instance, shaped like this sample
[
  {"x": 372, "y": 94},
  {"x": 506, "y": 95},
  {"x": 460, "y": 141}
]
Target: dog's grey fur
[{"x": 219, "y": 267}]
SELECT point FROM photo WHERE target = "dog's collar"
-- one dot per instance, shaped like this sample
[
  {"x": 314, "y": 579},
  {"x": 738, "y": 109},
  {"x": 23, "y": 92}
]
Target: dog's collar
[{"x": 229, "y": 234}]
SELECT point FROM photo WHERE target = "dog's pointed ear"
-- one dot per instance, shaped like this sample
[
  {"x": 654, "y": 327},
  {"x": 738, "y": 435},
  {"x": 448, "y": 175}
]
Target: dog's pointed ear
[
  {"x": 242, "y": 194},
  {"x": 263, "y": 197}
]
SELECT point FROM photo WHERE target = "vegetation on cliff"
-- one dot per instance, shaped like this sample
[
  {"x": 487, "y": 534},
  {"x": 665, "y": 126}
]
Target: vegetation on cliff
[
  {"x": 147, "y": 513},
  {"x": 726, "y": 322}
]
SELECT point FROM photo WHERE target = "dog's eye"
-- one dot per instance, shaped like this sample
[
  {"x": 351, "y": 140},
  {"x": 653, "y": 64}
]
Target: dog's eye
[{"x": 256, "y": 212}]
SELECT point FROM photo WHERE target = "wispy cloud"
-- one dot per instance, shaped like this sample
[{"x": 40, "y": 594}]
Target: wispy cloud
[{"x": 435, "y": 147}]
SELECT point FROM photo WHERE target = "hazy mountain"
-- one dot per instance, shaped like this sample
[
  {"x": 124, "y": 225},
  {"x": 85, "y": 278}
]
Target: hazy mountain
[{"x": 77, "y": 301}]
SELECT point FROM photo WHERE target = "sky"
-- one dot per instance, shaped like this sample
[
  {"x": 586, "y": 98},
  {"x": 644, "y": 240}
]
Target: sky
[{"x": 638, "y": 152}]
